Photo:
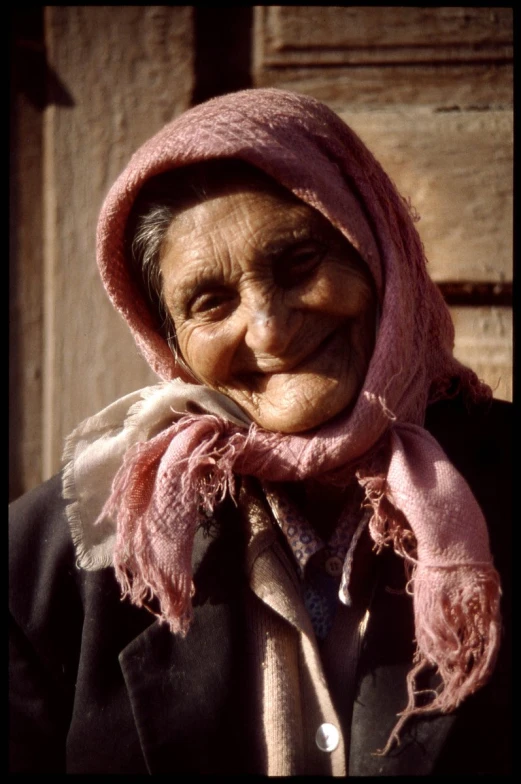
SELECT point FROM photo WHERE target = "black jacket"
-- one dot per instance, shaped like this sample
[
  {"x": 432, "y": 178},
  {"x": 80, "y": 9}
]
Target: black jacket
[{"x": 99, "y": 686}]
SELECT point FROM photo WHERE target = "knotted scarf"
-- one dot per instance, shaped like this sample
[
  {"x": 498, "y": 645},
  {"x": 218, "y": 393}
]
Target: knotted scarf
[{"x": 169, "y": 478}]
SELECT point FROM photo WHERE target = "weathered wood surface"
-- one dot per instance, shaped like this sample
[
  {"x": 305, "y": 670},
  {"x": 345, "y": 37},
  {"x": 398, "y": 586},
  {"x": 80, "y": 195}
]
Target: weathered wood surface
[
  {"x": 123, "y": 71},
  {"x": 484, "y": 341},
  {"x": 445, "y": 87},
  {"x": 302, "y": 35},
  {"x": 456, "y": 169}
]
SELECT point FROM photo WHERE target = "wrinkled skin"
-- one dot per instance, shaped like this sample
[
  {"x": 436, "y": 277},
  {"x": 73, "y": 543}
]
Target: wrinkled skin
[{"x": 271, "y": 305}]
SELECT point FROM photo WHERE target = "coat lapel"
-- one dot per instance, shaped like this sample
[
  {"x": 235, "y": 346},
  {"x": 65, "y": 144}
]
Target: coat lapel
[
  {"x": 385, "y": 662},
  {"x": 190, "y": 696},
  {"x": 186, "y": 694},
  {"x": 178, "y": 690},
  {"x": 381, "y": 698}
]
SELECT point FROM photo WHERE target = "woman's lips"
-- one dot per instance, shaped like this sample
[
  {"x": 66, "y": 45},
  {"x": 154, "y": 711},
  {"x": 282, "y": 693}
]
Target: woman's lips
[{"x": 260, "y": 376}]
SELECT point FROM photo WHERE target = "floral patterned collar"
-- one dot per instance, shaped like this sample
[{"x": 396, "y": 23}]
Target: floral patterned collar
[{"x": 336, "y": 554}]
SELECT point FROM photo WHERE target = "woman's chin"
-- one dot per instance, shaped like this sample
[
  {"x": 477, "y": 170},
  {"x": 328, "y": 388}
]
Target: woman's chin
[{"x": 301, "y": 406}]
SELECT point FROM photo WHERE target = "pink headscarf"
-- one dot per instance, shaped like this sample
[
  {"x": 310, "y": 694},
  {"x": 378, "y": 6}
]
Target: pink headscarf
[{"x": 164, "y": 483}]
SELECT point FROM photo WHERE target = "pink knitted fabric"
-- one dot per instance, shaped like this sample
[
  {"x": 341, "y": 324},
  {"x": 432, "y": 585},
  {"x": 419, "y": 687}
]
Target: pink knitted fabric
[{"x": 421, "y": 504}]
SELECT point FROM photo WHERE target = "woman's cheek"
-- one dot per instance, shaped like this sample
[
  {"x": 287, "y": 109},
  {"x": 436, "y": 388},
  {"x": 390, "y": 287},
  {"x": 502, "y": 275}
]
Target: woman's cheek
[
  {"x": 334, "y": 295},
  {"x": 343, "y": 289},
  {"x": 207, "y": 352}
]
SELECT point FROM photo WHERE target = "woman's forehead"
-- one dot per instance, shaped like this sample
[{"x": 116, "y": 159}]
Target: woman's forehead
[
  {"x": 250, "y": 216},
  {"x": 248, "y": 198}
]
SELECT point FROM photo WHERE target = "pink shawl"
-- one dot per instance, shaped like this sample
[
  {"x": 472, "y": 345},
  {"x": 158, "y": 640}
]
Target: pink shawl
[{"x": 168, "y": 482}]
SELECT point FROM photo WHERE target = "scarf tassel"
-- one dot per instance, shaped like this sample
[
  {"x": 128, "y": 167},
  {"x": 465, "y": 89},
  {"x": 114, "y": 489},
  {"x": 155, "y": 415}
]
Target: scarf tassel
[
  {"x": 456, "y": 615},
  {"x": 457, "y": 634},
  {"x": 159, "y": 497},
  {"x": 172, "y": 594}
]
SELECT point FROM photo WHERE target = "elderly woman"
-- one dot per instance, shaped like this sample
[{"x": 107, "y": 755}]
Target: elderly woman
[{"x": 283, "y": 559}]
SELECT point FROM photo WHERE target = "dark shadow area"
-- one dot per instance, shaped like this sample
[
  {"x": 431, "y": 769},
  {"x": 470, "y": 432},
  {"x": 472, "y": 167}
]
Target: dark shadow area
[
  {"x": 223, "y": 44},
  {"x": 27, "y": 78},
  {"x": 31, "y": 74},
  {"x": 472, "y": 294}
]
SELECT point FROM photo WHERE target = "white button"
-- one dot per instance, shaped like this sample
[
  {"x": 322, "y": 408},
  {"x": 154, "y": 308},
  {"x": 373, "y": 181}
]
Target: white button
[
  {"x": 327, "y": 737},
  {"x": 334, "y": 566}
]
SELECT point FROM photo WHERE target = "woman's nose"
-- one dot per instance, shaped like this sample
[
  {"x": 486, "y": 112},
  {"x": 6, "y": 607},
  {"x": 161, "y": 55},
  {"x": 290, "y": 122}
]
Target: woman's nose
[{"x": 270, "y": 327}]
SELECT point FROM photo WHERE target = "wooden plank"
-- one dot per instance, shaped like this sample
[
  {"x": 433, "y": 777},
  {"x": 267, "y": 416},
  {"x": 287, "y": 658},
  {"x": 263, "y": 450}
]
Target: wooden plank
[
  {"x": 484, "y": 343},
  {"x": 321, "y": 35},
  {"x": 456, "y": 168},
  {"x": 438, "y": 56},
  {"x": 120, "y": 73},
  {"x": 465, "y": 86}
]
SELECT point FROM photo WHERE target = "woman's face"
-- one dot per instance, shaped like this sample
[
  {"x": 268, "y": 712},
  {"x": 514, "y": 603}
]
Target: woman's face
[{"x": 271, "y": 305}]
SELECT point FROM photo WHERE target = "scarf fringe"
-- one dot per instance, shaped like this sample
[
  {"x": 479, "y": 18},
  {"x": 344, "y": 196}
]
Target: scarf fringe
[
  {"x": 456, "y": 613},
  {"x": 84, "y": 554},
  {"x": 174, "y": 593},
  {"x": 388, "y": 525},
  {"x": 460, "y": 380},
  {"x": 158, "y": 508},
  {"x": 168, "y": 486},
  {"x": 457, "y": 627},
  {"x": 457, "y": 633}
]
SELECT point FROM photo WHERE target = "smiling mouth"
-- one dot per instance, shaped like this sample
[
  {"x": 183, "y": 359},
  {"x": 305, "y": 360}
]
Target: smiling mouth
[{"x": 260, "y": 378}]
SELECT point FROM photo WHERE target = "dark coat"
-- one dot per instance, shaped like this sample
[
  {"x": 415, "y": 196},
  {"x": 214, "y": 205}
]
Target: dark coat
[{"x": 99, "y": 686}]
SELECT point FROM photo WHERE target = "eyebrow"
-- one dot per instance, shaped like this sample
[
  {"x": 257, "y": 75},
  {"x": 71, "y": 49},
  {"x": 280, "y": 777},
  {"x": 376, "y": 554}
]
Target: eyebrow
[{"x": 306, "y": 233}]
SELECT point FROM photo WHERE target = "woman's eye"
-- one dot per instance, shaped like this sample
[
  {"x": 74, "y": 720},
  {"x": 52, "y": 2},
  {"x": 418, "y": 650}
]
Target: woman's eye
[
  {"x": 212, "y": 304},
  {"x": 294, "y": 267}
]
